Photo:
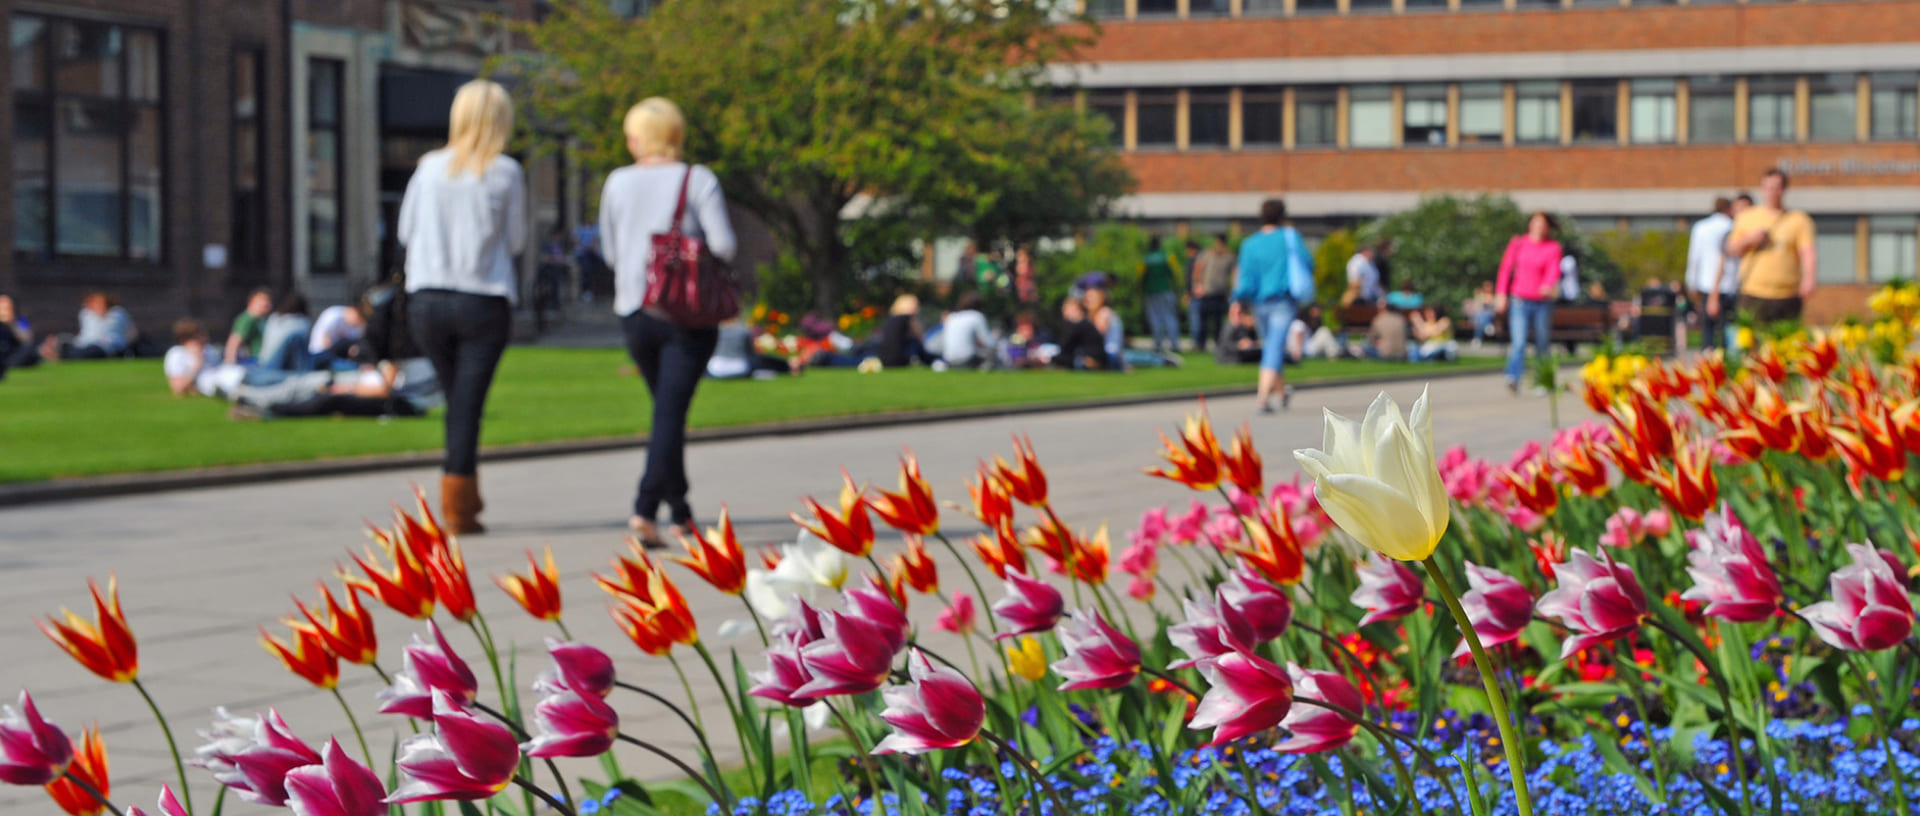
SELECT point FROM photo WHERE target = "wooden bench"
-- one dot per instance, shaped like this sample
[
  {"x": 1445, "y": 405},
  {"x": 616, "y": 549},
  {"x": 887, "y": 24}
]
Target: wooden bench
[{"x": 1572, "y": 323}]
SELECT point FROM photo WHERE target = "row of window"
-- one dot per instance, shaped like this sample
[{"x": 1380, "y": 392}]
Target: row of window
[
  {"x": 1844, "y": 107},
  {"x": 1163, "y": 9}
]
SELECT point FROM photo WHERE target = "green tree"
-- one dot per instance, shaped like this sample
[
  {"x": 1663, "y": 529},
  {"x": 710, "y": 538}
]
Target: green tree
[
  {"x": 803, "y": 107},
  {"x": 1645, "y": 255},
  {"x": 1449, "y": 245},
  {"x": 1330, "y": 270}
]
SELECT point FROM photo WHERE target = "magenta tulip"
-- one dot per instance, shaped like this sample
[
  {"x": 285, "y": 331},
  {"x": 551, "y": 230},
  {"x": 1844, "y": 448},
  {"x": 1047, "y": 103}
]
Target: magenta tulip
[
  {"x": 1246, "y": 695},
  {"x": 1031, "y": 606},
  {"x": 339, "y": 786},
  {"x": 1264, "y": 605},
  {"x": 786, "y": 673},
  {"x": 1730, "y": 571},
  {"x": 32, "y": 750},
  {"x": 169, "y": 804},
  {"x": 1388, "y": 590},
  {"x": 1499, "y": 606},
  {"x": 939, "y": 710},
  {"x": 1870, "y": 609},
  {"x": 1098, "y": 655},
  {"x": 466, "y": 758},
  {"x": 959, "y": 618},
  {"x": 578, "y": 667},
  {"x": 881, "y": 610},
  {"x": 252, "y": 755},
  {"x": 1598, "y": 600},
  {"x": 1191, "y": 527},
  {"x": 569, "y": 723},
  {"x": 427, "y": 668},
  {"x": 852, "y": 656},
  {"x": 1314, "y": 729},
  {"x": 1213, "y": 629}
]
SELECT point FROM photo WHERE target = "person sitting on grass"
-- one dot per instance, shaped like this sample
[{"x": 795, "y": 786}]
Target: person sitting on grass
[
  {"x": 1022, "y": 347},
  {"x": 1387, "y": 336},
  {"x": 405, "y": 388},
  {"x": 734, "y": 357},
  {"x": 966, "y": 341},
  {"x": 1239, "y": 342},
  {"x": 335, "y": 336},
  {"x": 1113, "y": 334},
  {"x": 249, "y": 328},
  {"x": 1433, "y": 329},
  {"x": 16, "y": 340},
  {"x": 1308, "y": 337},
  {"x": 1081, "y": 347},
  {"x": 898, "y": 344},
  {"x": 283, "y": 343},
  {"x": 106, "y": 330}
]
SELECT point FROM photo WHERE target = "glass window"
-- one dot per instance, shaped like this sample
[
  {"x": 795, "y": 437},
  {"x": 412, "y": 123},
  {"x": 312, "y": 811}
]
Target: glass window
[
  {"x": 1263, "y": 8},
  {"x": 1308, "y": 7},
  {"x": 1710, "y": 118},
  {"x": 30, "y": 140},
  {"x": 1483, "y": 113},
  {"x": 1595, "y": 224},
  {"x": 249, "y": 239},
  {"x": 326, "y": 81},
  {"x": 1156, "y": 8},
  {"x": 1424, "y": 116},
  {"x": 1113, "y": 108},
  {"x": 1370, "y": 116},
  {"x": 1602, "y": 3},
  {"x": 1837, "y": 244},
  {"x": 1316, "y": 117},
  {"x": 1369, "y": 6},
  {"x": 1654, "y": 111},
  {"x": 1207, "y": 119},
  {"x": 1536, "y": 112},
  {"x": 86, "y": 58},
  {"x": 1770, "y": 109},
  {"x": 87, "y": 201},
  {"x": 1426, "y": 5},
  {"x": 1653, "y": 223},
  {"x": 1834, "y": 107},
  {"x": 1891, "y": 250},
  {"x": 29, "y": 40},
  {"x": 1107, "y": 9},
  {"x": 143, "y": 66},
  {"x": 1208, "y": 8},
  {"x": 1486, "y": 4},
  {"x": 1154, "y": 119},
  {"x": 1596, "y": 111},
  {"x": 1260, "y": 114},
  {"x": 1896, "y": 106}
]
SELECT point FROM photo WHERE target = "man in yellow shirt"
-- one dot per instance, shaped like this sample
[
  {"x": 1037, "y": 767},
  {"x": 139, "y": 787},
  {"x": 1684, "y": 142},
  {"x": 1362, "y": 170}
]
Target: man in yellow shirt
[{"x": 1777, "y": 258}]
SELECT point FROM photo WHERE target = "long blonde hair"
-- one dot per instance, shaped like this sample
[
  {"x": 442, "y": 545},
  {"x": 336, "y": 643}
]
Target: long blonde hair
[
  {"x": 481, "y": 124},
  {"x": 655, "y": 127}
]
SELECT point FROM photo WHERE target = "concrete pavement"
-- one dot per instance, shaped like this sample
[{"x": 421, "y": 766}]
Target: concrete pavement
[{"x": 200, "y": 571}]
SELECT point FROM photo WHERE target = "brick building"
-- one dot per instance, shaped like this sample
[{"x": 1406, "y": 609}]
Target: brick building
[{"x": 1623, "y": 113}]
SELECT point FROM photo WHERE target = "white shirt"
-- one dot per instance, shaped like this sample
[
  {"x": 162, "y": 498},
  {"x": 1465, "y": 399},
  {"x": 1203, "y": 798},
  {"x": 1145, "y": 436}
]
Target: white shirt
[
  {"x": 463, "y": 233},
  {"x": 1362, "y": 271},
  {"x": 331, "y": 328},
  {"x": 637, "y": 203},
  {"x": 208, "y": 375},
  {"x": 1707, "y": 252},
  {"x": 965, "y": 332},
  {"x": 1569, "y": 278}
]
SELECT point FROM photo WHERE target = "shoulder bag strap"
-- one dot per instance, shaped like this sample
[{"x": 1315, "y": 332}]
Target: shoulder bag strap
[{"x": 680, "y": 206}]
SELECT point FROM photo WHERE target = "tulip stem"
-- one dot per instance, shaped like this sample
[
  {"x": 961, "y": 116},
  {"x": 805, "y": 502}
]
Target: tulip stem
[
  {"x": 544, "y": 796},
  {"x": 1385, "y": 735},
  {"x": 485, "y": 636},
  {"x": 1496, "y": 700},
  {"x": 758, "y": 626},
  {"x": 677, "y": 711},
  {"x": 1032, "y": 770},
  {"x": 522, "y": 734},
  {"x": 1733, "y": 725},
  {"x": 70, "y": 776},
  {"x": 738, "y": 714},
  {"x": 1362, "y": 671},
  {"x": 692, "y": 774},
  {"x": 355, "y": 722},
  {"x": 978, "y": 592},
  {"x": 1175, "y": 681},
  {"x": 859, "y": 750},
  {"x": 1876, "y": 702},
  {"x": 1624, "y": 666},
  {"x": 186, "y": 795},
  {"x": 700, "y": 724},
  {"x": 563, "y": 629}
]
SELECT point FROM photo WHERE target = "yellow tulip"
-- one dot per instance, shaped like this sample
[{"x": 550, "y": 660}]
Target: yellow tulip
[
  {"x": 1376, "y": 478},
  {"x": 1027, "y": 659}
]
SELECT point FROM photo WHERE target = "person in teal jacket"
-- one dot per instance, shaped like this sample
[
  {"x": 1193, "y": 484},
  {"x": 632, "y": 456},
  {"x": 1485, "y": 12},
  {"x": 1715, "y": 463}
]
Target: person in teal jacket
[{"x": 1266, "y": 260}]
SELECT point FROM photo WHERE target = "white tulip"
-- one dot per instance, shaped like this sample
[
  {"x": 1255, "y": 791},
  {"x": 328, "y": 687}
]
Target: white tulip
[
  {"x": 1376, "y": 478},
  {"x": 811, "y": 561}
]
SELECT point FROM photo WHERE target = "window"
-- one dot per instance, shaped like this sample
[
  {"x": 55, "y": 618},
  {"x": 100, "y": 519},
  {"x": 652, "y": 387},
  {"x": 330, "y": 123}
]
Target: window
[
  {"x": 1307, "y": 7},
  {"x": 1710, "y": 117},
  {"x": 1834, "y": 105},
  {"x": 1156, "y": 8},
  {"x": 1425, "y": 5},
  {"x": 1596, "y": 111},
  {"x": 1113, "y": 108},
  {"x": 1208, "y": 8},
  {"x": 1591, "y": 3},
  {"x": 1369, "y": 6},
  {"x": 1486, "y": 4},
  {"x": 1263, "y": 8},
  {"x": 1536, "y": 112},
  {"x": 1370, "y": 116},
  {"x": 1891, "y": 250},
  {"x": 1316, "y": 117},
  {"x": 1895, "y": 107},
  {"x": 1652, "y": 223},
  {"x": 1654, "y": 112},
  {"x": 326, "y": 179},
  {"x": 1595, "y": 224},
  {"x": 87, "y": 137},
  {"x": 1207, "y": 118},
  {"x": 249, "y": 240},
  {"x": 1107, "y": 9},
  {"x": 1483, "y": 113},
  {"x": 1835, "y": 241},
  {"x": 1424, "y": 116},
  {"x": 1154, "y": 119},
  {"x": 1260, "y": 114},
  {"x": 1770, "y": 109}
]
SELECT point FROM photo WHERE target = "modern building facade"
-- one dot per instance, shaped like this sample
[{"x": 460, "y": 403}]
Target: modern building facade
[{"x": 1622, "y": 113}]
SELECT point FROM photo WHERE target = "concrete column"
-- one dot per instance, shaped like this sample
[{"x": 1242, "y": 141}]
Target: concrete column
[
  {"x": 1396, "y": 123},
  {"x": 1740, "y": 109},
  {"x": 1566, "y": 112},
  {"x": 1341, "y": 101},
  {"x": 1681, "y": 102},
  {"x": 1236, "y": 118},
  {"x": 1182, "y": 123},
  {"x": 1132, "y": 9},
  {"x": 1860, "y": 249},
  {"x": 1802, "y": 109},
  {"x": 1453, "y": 113},
  {"x": 1863, "y": 109},
  {"x": 1623, "y": 111},
  {"x": 1130, "y": 130},
  {"x": 1288, "y": 118},
  {"x": 1507, "y": 104},
  {"x": 1181, "y": 7}
]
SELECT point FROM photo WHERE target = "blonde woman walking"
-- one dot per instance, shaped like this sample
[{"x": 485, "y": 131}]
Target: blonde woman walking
[
  {"x": 638, "y": 203},
  {"x": 462, "y": 222}
]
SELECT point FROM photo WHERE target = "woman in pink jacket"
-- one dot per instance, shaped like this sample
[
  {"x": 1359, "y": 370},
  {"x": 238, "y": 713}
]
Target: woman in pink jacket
[{"x": 1529, "y": 281}]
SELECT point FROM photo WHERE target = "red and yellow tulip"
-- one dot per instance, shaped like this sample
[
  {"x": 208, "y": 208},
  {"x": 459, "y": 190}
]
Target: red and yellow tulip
[
  {"x": 348, "y": 629},
  {"x": 105, "y": 647},
  {"x": 89, "y": 766},
  {"x": 1195, "y": 462},
  {"x": 717, "y": 557},
  {"x": 849, "y": 529},
  {"x": 1024, "y": 481},
  {"x": 307, "y": 656},
  {"x": 912, "y": 510},
  {"x": 538, "y": 591},
  {"x": 404, "y": 588}
]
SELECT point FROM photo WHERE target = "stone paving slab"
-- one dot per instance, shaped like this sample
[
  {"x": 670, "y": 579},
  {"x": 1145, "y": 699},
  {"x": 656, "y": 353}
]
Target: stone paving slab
[{"x": 200, "y": 570}]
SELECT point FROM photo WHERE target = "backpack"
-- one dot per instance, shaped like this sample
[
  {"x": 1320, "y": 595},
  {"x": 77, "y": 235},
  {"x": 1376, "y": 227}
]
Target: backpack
[{"x": 1300, "y": 284}]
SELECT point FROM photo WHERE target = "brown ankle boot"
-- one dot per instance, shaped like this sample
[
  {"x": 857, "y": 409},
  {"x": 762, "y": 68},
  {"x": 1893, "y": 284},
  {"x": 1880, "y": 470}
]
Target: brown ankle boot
[{"x": 460, "y": 504}]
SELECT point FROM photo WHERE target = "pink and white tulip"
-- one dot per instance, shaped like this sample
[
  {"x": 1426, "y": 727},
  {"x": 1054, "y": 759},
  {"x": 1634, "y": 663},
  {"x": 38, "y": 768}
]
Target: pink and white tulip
[
  {"x": 939, "y": 709},
  {"x": 853, "y": 655},
  {"x": 579, "y": 667},
  {"x": 1388, "y": 590},
  {"x": 1870, "y": 609},
  {"x": 959, "y": 618},
  {"x": 1098, "y": 655},
  {"x": 1031, "y": 606},
  {"x": 1313, "y": 729},
  {"x": 570, "y": 723},
  {"x": 338, "y": 786},
  {"x": 466, "y": 758},
  {"x": 1730, "y": 571},
  {"x": 429, "y": 668},
  {"x": 1598, "y": 600},
  {"x": 880, "y": 609},
  {"x": 1499, "y": 606},
  {"x": 253, "y": 755},
  {"x": 1627, "y": 527},
  {"x": 1246, "y": 695},
  {"x": 32, "y": 751},
  {"x": 169, "y": 804}
]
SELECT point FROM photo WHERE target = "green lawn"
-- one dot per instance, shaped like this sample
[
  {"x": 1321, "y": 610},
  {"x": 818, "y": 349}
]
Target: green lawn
[{"x": 79, "y": 419}]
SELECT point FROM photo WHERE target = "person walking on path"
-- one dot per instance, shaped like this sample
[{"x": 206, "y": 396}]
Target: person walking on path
[
  {"x": 1162, "y": 295},
  {"x": 1711, "y": 275},
  {"x": 637, "y": 203},
  {"x": 1211, "y": 280},
  {"x": 1267, "y": 258},
  {"x": 463, "y": 221},
  {"x": 1777, "y": 258},
  {"x": 1528, "y": 282}
]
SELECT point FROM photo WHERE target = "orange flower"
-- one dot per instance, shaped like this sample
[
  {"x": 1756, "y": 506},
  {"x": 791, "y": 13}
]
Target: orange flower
[
  {"x": 1198, "y": 466},
  {"x": 1583, "y": 470},
  {"x": 1766, "y": 363},
  {"x": 348, "y": 631},
  {"x": 718, "y": 559},
  {"x": 1533, "y": 487},
  {"x": 991, "y": 504},
  {"x": 1274, "y": 550},
  {"x": 1689, "y": 488},
  {"x": 1091, "y": 557},
  {"x": 1821, "y": 358},
  {"x": 424, "y": 535},
  {"x": 850, "y": 530},
  {"x": 538, "y": 591},
  {"x": 90, "y": 766},
  {"x": 448, "y": 572},
  {"x": 893, "y": 584},
  {"x": 1242, "y": 463},
  {"x": 651, "y": 609},
  {"x": 1647, "y": 422},
  {"x": 1665, "y": 383},
  {"x": 917, "y": 566},
  {"x": 1027, "y": 484},
  {"x": 770, "y": 557},
  {"x": 1811, "y": 438},
  {"x": 1772, "y": 420},
  {"x": 1710, "y": 371},
  {"x": 107, "y": 647},
  {"x": 405, "y": 589},
  {"x": 1049, "y": 540},
  {"x": 912, "y": 510},
  {"x": 1000, "y": 551},
  {"x": 1549, "y": 551},
  {"x": 1597, "y": 397},
  {"x": 1871, "y": 447},
  {"x": 1744, "y": 441},
  {"x": 306, "y": 656}
]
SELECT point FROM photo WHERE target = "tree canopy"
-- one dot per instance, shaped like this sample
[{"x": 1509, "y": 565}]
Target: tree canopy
[
  {"x": 1449, "y": 245},
  {"x": 931, "y": 110}
]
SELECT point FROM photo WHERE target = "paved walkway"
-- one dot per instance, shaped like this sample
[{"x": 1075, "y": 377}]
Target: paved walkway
[{"x": 199, "y": 571}]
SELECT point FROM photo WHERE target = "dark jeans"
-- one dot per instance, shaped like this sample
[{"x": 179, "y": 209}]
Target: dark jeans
[
  {"x": 1204, "y": 316},
  {"x": 463, "y": 335},
  {"x": 1770, "y": 310},
  {"x": 1713, "y": 328},
  {"x": 672, "y": 359}
]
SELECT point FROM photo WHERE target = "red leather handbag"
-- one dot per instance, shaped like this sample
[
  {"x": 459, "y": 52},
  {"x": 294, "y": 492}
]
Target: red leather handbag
[{"x": 685, "y": 282}]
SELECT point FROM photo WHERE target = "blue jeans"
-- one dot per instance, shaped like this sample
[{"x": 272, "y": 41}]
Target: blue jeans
[
  {"x": 1163, "y": 318},
  {"x": 1272, "y": 319},
  {"x": 1527, "y": 320}
]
